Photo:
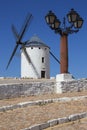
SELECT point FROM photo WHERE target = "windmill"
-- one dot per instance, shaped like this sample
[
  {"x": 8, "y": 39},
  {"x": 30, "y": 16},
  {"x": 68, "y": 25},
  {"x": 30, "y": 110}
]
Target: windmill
[
  {"x": 27, "y": 61},
  {"x": 22, "y": 45},
  {"x": 19, "y": 38}
]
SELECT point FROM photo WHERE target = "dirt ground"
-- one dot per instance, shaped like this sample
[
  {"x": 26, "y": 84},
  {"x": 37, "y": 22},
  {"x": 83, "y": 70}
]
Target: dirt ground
[{"x": 24, "y": 117}]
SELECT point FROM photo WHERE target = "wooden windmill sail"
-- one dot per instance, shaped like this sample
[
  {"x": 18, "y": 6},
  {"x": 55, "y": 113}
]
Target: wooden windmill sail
[{"x": 19, "y": 38}]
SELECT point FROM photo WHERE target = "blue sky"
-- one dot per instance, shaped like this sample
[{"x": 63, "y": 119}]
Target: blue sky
[{"x": 15, "y": 11}]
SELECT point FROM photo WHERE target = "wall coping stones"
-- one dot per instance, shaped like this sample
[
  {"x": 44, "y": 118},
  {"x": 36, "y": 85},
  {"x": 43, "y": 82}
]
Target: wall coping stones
[{"x": 54, "y": 122}]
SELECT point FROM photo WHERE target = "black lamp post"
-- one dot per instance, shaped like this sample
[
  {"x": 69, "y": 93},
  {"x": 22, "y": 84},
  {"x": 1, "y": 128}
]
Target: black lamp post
[{"x": 75, "y": 24}]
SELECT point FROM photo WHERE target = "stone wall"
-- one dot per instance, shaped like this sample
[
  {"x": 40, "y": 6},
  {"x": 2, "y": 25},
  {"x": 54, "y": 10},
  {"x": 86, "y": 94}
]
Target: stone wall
[
  {"x": 71, "y": 86},
  {"x": 35, "y": 88},
  {"x": 26, "y": 89}
]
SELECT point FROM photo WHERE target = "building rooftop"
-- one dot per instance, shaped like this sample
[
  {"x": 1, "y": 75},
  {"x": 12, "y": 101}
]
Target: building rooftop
[{"x": 35, "y": 41}]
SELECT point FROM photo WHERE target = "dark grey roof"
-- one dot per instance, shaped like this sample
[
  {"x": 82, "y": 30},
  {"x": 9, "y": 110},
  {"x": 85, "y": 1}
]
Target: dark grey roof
[{"x": 35, "y": 41}]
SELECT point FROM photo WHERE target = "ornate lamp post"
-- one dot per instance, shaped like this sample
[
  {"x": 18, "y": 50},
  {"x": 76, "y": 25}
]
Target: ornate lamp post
[{"x": 75, "y": 22}]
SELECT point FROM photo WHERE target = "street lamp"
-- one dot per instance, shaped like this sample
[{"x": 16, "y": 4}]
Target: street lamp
[{"x": 75, "y": 22}]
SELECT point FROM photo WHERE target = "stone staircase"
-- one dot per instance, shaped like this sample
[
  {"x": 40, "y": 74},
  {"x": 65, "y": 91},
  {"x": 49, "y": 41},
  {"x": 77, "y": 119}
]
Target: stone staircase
[{"x": 43, "y": 112}]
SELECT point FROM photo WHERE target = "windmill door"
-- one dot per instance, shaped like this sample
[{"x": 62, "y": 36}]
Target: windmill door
[{"x": 42, "y": 74}]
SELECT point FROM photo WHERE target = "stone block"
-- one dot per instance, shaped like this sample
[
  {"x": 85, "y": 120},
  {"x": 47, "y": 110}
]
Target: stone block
[
  {"x": 82, "y": 115},
  {"x": 63, "y": 120},
  {"x": 53, "y": 122},
  {"x": 44, "y": 125},
  {"x": 63, "y": 77},
  {"x": 34, "y": 127},
  {"x": 73, "y": 117},
  {"x": 58, "y": 87}
]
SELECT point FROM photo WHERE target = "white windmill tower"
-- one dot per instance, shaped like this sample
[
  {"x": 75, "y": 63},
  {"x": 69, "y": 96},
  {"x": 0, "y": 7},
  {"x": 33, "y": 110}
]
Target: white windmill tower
[
  {"x": 37, "y": 63},
  {"x": 34, "y": 54}
]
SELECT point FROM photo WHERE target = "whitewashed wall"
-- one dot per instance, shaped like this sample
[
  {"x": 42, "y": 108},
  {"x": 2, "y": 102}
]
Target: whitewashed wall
[{"x": 33, "y": 68}]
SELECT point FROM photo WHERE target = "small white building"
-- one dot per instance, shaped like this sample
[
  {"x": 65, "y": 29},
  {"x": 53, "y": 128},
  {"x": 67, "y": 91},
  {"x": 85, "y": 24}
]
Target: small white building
[{"x": 35, "y": 60}]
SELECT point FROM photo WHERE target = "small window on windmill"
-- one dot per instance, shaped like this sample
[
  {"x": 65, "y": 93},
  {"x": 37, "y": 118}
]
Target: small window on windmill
[
  {"x": 39, "y": 47},
  {"x": 31, "y": 47},
  {"x": 42, "y": 59}
]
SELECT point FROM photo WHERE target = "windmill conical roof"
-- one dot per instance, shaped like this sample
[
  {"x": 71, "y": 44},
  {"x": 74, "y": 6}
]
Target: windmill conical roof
[{"x": 35, "y": 41}]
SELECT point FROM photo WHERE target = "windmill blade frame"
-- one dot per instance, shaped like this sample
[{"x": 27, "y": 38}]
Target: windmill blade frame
[
  {"x": 19, "y": 36},
  {"x": 13, "y": 53},
  {"x": 15, "y": 32},
  {"x": 26, "y": 54},
  {"x": 25, "y": 26},
  {"x": 54, "y": 57}
]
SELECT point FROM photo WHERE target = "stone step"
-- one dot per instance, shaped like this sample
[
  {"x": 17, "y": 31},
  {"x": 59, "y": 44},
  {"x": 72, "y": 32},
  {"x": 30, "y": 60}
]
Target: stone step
[
  {"x": 40, "y": 102},
  {"x": 58, "y": 121}
]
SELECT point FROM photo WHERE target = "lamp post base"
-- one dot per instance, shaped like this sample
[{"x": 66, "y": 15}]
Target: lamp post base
[
  {"x": 64, "y": 77},
  {"x": 60, "y": 78}
]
